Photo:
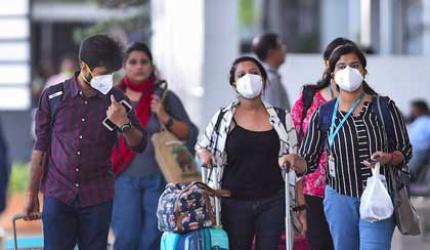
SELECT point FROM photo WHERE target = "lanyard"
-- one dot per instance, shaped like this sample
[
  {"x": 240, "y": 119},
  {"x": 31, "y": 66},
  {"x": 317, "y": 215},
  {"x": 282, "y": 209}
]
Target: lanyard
[{"x": 335, "y": 129}]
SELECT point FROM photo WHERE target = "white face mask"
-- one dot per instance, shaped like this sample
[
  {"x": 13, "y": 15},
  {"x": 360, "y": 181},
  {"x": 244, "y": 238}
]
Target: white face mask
[
  {"x": 349, "y": 79},
  {"x": 249, "y": 86},
  {"x": 102, "y": 83}
]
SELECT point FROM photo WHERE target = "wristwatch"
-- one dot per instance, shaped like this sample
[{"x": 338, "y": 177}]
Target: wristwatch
[{"x": 125, "y": 127}]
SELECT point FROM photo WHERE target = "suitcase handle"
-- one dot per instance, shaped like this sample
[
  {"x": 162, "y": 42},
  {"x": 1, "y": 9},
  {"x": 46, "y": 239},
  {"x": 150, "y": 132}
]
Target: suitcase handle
[
  {"x": 206, "y": 178},
  {"x": 14, "y": 220}
]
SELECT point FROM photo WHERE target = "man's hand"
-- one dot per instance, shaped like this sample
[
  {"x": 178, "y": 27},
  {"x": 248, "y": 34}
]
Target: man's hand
[
  {"x": 32, "y": 208},
  {"x": 117, "y": 113}
]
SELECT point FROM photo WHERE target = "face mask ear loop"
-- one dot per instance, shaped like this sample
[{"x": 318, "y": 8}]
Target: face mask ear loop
[{"x": 89, "y": 71}]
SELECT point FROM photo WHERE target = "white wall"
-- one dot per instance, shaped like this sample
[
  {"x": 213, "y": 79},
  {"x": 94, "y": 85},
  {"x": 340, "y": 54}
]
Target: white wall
[
  {"x": 403, "y": 78},
  {"x": 195, "y": 50},
  {"x": 194, "y": 43}
]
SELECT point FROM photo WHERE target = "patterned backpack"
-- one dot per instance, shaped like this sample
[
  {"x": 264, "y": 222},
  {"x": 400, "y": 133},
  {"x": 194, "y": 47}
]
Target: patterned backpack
[{"x": 187, "y": 207}]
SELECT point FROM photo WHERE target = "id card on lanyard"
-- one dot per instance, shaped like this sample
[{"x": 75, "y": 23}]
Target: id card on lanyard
[{"x": 334, "y": 130}]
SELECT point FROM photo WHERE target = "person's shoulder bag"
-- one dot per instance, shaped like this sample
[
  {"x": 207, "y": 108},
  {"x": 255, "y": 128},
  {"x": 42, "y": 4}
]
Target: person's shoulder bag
[{"x": 174, "y": 156}]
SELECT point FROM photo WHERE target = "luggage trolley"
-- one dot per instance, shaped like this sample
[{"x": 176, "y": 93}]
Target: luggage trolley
[{"x": 38, "y": 241}]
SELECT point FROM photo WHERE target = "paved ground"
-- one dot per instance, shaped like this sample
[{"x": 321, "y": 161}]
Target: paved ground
[{"x": 421, "y": 242}]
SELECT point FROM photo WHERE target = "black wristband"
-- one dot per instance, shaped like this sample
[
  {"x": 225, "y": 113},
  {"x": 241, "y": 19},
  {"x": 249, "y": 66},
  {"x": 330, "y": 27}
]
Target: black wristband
[{"x": 300, "y": 208}]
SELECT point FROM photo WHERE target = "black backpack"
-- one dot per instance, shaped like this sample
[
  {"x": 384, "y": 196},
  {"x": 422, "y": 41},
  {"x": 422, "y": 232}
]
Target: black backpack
[{"x": 308, "y": 98}]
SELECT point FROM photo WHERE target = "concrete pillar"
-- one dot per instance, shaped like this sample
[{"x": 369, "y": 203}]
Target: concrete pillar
[
  {"x": 354, "y": 25},
  {"x": 194, "y": 42},
  {"x": 386, "y": 16},
  {"x": 334, "y": 21},
  {"x": 399, "y": 24},
  {"x": 366, "y": 23},
  {"x": 426, "y": 31}
]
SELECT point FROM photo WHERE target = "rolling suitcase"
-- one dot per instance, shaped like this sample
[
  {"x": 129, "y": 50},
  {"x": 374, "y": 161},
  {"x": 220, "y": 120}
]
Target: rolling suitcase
[
  {"x": 34, "y": 243},
  {"x": 213, "y": 238}
]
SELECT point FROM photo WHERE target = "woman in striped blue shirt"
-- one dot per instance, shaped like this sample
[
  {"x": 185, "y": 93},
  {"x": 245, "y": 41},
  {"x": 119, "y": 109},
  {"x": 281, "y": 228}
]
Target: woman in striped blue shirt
[{"x": 351, "y": 132}]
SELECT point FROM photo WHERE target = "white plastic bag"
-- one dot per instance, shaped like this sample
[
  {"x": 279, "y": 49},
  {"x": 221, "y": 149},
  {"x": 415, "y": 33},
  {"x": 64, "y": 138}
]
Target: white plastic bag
[{"x": 376, "y": 203}]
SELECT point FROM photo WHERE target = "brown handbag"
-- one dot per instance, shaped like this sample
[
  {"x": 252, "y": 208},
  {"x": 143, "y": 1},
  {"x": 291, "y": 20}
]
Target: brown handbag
[
  {"x": 175, "y": 161},
  {"x": 172, "y": 155}
]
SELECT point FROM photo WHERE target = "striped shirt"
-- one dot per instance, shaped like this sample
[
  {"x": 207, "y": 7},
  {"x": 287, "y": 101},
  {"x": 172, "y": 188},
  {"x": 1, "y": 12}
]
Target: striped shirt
[
  {"x": 79, "y": 147},
  {"x": 357, "y": 140}
]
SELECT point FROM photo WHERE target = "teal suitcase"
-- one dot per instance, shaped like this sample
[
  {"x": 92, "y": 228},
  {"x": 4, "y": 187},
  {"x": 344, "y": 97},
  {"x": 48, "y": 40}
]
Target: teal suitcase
[{"x": 203, "y": 239}]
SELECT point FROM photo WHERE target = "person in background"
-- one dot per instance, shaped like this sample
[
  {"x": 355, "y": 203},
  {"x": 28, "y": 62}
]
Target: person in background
[
  {"x": 312, "y": 97},
  {"x": 42, "y": 70},
  {"x": 352, "y": 133},
  {"x": 139, "y": 181},
  {"x": 68, "y": 66},
  {"x": 419, "y": 134},
  {"x": 71, "y": 160},
  {"x": 252, "y": 135},
  {"x": 271, "y": 51},
  {"x": 5, "y": 168}
]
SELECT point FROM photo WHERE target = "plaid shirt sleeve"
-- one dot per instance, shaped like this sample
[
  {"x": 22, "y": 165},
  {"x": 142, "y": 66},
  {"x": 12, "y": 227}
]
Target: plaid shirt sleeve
[
  {"x": 140, "y": 147},
  {"x": 43, "y": 123}
]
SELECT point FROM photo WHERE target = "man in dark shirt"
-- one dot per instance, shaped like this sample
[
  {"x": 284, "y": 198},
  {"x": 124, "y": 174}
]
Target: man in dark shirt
[
  {"x": 271, "y": 51},
  {"x": 71, "y": 162}
]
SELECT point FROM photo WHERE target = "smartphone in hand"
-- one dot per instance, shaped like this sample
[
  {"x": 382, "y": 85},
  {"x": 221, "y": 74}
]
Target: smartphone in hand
[{"x": 109, "y": 124}]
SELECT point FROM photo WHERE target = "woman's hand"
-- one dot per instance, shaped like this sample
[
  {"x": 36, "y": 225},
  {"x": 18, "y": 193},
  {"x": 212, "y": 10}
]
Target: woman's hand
[
  {"x": 294, "y": 162},
  {"x": 303, "y": 221},
  {"x": 157, "y": 107},
  {"x": 382, "y": 157},
  {"x": 393, "y": 158},
  {"x": 206, "y": 157}
]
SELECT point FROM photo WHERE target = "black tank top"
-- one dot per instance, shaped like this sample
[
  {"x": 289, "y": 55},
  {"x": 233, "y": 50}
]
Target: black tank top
[{"x": 252, "y": 170}]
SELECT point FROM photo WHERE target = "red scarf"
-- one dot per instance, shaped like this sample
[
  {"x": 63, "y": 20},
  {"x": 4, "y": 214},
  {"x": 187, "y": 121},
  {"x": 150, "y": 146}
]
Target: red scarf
[{"x": 123, "y": 155}]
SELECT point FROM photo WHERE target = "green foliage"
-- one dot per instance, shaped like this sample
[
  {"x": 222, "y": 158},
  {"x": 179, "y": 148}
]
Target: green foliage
[
  {"x": 19, "y": 177},
  {"x": 308, "y": 43},
  {"x": 105, "y": 3},
  {"x": 120, "y": 3},
  {"x": 129, "y": 25},
  {"x": 246, "y": 12},
  {"x": 133, "y": 25}
]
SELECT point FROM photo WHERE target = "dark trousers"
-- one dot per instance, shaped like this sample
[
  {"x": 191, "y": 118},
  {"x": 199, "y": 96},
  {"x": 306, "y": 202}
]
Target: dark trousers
[
  {"x": 66, "y": 226},
  {"x": 318, "y": 234},
  {"x": 263, "y": 218}
]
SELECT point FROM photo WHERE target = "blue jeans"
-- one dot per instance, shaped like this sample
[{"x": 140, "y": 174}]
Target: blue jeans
[
  {"x": 242, "y": 219},
  {"x": 64, "y": 226},
  {"x": 134, "y": 220},
  {"x": 348, "y": 231}
]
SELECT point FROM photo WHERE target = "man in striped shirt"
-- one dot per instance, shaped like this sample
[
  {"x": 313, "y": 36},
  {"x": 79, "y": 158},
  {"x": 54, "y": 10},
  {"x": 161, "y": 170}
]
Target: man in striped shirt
[{"x": 71, "y": 162}]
